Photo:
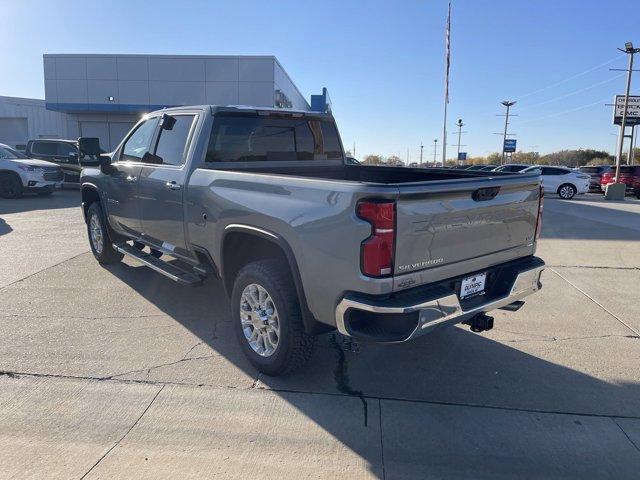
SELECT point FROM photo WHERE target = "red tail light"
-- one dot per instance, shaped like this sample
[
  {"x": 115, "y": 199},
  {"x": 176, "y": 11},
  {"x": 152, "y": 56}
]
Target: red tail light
[
  {"x": 540, "y": 209},
  {"x": 376, "y": 252}
]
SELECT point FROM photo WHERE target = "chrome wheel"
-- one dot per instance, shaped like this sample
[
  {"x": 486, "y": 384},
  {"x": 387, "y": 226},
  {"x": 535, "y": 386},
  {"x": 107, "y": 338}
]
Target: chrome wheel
[
  {"x": 95, "y": 231},
  {"x": 259, "y": 319},
  {"x": 567, "y": 191}
]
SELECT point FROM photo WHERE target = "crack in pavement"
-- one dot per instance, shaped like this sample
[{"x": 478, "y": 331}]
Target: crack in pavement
[
  {"x": 625, "y": 434},
  {"x": 40, "y": 271},
  {"x": 154, "y": 367},
  {"x": 595, "y": 301},
  {"x": 125, "y": 434},
  {"x": 606, "y": 267},
  {"x": 563, "y": 339},
  {"x": 17, "y": 375}
]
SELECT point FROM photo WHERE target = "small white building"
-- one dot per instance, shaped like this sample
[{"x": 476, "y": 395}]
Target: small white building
[{"x": 103, "y": 95}]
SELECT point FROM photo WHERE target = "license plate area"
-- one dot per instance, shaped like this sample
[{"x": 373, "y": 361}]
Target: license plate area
[{"x": 473, "y": 285}]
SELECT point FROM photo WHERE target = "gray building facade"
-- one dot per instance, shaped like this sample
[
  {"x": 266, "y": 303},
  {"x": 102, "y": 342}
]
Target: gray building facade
[{"x": 104, "y": 95}]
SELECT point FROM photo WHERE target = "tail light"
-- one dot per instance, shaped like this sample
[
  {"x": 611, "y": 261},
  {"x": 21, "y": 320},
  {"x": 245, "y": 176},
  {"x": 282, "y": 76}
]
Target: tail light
[
  {"x": 540, "y": 209},
  {"x": 376, "y": 252}
]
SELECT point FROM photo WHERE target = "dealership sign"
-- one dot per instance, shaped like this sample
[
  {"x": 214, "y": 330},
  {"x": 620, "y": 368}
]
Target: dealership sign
[
  {"x": 509, "y": 145},
  {"x": 633, "y": 110},
  {"x": 462, "y": 155}
]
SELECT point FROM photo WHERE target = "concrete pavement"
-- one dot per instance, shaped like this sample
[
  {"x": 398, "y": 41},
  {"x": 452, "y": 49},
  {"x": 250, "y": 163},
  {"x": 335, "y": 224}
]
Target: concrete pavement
[{"x": 119, "y": 373}]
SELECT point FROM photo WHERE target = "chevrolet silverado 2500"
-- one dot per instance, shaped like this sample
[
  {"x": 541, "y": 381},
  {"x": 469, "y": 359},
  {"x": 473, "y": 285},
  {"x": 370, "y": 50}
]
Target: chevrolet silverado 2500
[{"x": 304, "y": 242}]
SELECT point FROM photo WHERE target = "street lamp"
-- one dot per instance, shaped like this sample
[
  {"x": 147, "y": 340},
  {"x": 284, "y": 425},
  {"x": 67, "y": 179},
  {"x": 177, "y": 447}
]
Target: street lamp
[
  {"x": 507, "y": 104},
  {"x": 435, "y": 152}
]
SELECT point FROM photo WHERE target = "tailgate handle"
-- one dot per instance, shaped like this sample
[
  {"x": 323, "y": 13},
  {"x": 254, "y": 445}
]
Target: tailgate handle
[{"x": 483, "y": 194}]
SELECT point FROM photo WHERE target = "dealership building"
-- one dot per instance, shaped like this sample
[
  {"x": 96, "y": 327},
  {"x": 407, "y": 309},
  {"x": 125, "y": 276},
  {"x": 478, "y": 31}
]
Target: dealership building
[{"x": 103, "y": 95}]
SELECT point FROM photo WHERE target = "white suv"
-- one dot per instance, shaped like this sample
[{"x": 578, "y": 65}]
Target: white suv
[{"x": 20, "y": 174}]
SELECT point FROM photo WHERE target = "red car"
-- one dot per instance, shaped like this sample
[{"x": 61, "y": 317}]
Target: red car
[{"x": 629, "y": 175}]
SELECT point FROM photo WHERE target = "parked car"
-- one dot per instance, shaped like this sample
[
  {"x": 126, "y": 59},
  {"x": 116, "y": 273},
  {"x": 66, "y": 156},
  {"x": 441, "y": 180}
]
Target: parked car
[
  {"x": 62, "y": 152},
  {"x": 483, "y": 167},
  {"x": 511, "y": 167},
  {"x": 595, "y": 173},
  {"x": 20, "y": 174},
  {"x": 352, "y": 161},
  {"x": 629, "y": 175},
  {"x": 563, "y": 181},
  {"x": 304, "y": 242}
]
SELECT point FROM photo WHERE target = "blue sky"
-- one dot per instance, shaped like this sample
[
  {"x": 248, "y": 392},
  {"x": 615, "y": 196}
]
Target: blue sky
[{"x": 382, "y": 61}]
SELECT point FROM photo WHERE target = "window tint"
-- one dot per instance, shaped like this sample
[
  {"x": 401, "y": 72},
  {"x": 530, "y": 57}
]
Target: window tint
[
  {"x": 249, "y": 138},
  {"x": 553, "y": 171},
  {"x": 138, "y": 143},
  {"x": 64, "y": 149},
  {"x": 45, "y": 148},
  {"x": 171, "y": 143}
]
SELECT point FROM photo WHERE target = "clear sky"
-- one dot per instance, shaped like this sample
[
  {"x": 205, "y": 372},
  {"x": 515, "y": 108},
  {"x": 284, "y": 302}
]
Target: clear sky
[{"x": 382, "y": 61}]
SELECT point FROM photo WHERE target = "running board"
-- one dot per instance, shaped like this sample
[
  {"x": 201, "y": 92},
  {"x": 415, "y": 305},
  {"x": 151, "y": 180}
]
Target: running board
[{"x": 171, "y": 271}]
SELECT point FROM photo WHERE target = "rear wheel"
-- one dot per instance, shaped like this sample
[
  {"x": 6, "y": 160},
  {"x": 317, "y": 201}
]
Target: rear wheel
[
  {"x": 267, "y": 318},
  {"x": 10, "y": 185},
  {"x": 567, "y": 191},
  {"x": 99, "y": 238}
]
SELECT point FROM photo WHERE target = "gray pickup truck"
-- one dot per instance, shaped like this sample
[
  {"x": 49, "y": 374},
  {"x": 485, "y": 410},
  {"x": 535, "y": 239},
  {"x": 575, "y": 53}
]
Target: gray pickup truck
[{"x": 303, "y": 242}]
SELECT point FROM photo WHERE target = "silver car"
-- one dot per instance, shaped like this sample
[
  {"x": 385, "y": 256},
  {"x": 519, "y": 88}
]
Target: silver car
[{"x": 20, "y": 174}]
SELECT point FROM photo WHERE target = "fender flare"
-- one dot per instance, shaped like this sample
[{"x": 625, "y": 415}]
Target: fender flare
[{"x": 311, "y": 324}]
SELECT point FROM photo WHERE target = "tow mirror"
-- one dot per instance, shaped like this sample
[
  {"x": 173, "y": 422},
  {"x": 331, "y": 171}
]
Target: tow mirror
[
  {"x": 90, "y": 153},
  {"x": 167, "y": 122}
]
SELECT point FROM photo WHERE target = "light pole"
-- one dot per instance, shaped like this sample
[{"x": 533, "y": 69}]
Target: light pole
[
  {"x": 507, "y": 104},
  {"x": 421, "y": 147},
  {"x": 628, "y": 49},
  {"x": 435, "y": 152},
  {"x": 460, "y": 125}
]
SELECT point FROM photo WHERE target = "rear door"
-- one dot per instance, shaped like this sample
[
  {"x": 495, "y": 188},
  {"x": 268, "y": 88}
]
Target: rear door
[
  {"x": 473, "y": 223},
  {"x": 162, "y": 182}
]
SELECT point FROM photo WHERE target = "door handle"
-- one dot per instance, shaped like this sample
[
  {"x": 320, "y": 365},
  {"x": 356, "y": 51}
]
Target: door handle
[
  {"x": 131, "y": 178},
  {"x": 173, "y": 185}
]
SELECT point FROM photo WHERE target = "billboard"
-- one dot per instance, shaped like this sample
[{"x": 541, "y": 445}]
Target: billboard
[{"x": 633, "y": 110}]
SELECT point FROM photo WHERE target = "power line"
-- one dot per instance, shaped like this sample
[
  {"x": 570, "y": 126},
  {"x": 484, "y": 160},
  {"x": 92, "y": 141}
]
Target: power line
[{"x": 592, "y": 69}]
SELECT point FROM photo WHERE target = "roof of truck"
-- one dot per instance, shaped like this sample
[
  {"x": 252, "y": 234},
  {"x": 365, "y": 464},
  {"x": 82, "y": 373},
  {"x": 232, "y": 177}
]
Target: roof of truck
[{"x": 242, "y": 108}]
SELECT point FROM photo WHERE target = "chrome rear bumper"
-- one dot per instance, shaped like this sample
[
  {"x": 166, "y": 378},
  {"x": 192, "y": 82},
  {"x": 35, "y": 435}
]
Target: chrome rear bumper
[{"x": 442, "y": 310}]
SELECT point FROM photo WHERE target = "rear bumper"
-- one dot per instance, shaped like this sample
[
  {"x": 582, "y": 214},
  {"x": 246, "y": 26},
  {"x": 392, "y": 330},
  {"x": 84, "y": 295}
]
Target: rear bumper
[{"x": 406, "y": 315}]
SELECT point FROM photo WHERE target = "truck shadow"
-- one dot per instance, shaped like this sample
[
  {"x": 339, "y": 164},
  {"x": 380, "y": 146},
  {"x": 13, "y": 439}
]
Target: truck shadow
[{"x": 450, "y": 367}]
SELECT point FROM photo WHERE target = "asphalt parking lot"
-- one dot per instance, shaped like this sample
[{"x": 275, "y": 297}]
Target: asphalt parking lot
[{"x": 117, "y": 372}]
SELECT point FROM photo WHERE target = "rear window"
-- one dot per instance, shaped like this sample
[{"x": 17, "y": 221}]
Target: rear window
[
  {"x": 593, "y": 169},
  {"x": 251, "y": 138},
  {"x": 628, "y": 170}
]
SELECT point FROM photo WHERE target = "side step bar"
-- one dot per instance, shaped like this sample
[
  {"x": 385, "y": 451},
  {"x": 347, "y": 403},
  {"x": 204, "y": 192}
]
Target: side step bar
[{"x": 174, "y": 273}]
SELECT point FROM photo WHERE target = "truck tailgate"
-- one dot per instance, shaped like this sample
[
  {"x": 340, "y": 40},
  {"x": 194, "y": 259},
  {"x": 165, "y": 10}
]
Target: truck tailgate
[{"x": 443, "y": 223}]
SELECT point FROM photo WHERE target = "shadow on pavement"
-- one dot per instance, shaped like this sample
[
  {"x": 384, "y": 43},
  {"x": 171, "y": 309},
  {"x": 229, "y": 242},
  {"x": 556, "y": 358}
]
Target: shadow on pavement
[
  {"x": 67, "y": 198},
  {"x": 4, "y": 227},
  {"x": 450, "y": 367}
]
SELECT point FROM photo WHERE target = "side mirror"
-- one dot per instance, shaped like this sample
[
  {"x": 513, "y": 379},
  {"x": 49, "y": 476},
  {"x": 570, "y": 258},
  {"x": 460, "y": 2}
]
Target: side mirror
[
  {"x": 167, "y": 122},
  {"x": 88, "y": 152}
]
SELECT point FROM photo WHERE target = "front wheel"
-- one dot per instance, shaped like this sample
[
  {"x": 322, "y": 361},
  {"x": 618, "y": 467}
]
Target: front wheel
[
  {"x": 567, "y": 191},
  {"x": 267, "y": 318},
  {"x": 10, "y": 186},
  {"x": 99, "y": 238}
]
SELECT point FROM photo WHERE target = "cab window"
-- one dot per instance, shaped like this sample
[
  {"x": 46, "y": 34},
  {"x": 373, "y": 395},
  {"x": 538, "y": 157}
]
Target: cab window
[
  {"x": 171, "y": 145},
  {"x": 139, "y": 142}
]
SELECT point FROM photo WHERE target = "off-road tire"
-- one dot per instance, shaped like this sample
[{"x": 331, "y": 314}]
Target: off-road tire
[
  {"x": 10, "y": 185},
  {"x": 106, "y": 255},
  {"x": 295, "y": 346}
]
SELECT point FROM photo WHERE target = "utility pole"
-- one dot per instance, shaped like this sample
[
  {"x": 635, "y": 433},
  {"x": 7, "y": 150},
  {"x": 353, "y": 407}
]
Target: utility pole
[
  {"x": 628, "y": 49},
  {"x": 631, "y": 141},
  {"x": 435, "y": 152},
  {"x": 421, "y": 147},
  {"x": 507, "y": 104}
]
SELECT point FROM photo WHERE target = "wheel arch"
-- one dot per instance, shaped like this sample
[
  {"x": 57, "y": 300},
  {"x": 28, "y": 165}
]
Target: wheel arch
[
  {"x": 90, "y": 194},
  {"x": 243, "y": 244}
]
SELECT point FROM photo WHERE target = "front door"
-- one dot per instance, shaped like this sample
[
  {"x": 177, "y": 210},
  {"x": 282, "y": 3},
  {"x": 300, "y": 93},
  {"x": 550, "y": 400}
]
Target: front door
[
  {"x": 122, "y": 183},
  {"x": 162, "y": 184}
]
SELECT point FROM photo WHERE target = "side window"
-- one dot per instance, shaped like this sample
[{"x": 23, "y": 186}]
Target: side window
[
  {"x": 139, "y": 141},
  {"x": 64, "y": 149},
  {"x": 172, "y": 143},
  {"x": 45, "y": 148},
  {"x": 552, "y": 171}
]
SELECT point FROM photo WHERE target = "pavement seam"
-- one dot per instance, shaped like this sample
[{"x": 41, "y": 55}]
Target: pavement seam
[
  {"x": 125, "y": 434},
  {"x": 17, "y": 375},
  {"x": 40, "y": 271},
  {"x": 595, "y": 301},
  {"x": 594, "y": 267},
  {"x": 625, "y": 434},
  {"x": 384, "y": 474}
]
